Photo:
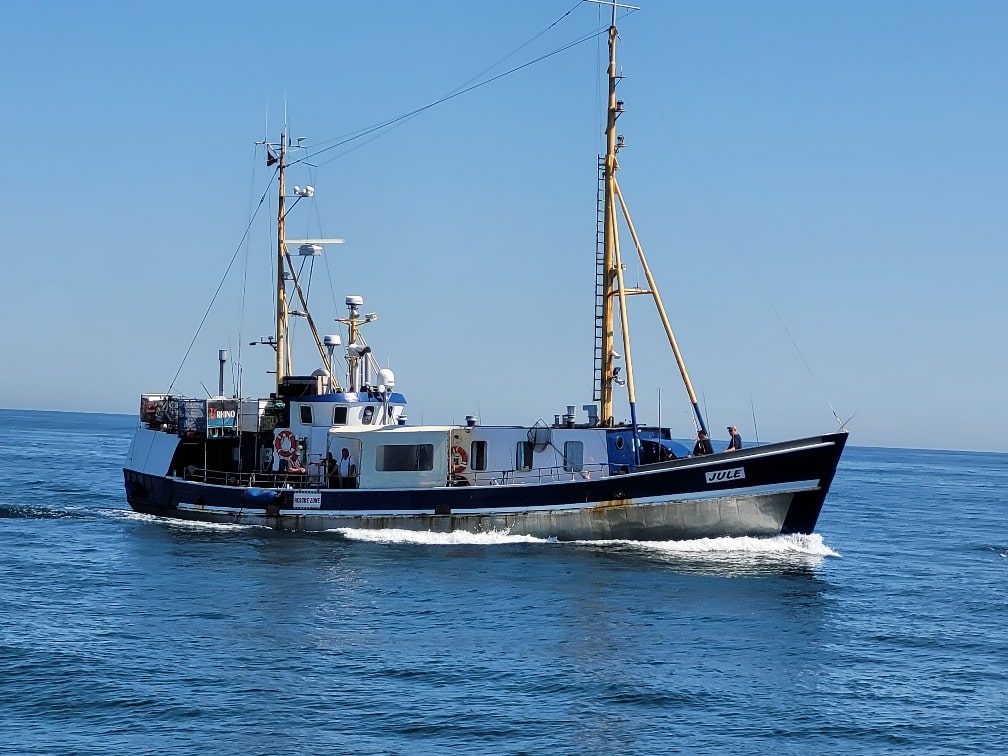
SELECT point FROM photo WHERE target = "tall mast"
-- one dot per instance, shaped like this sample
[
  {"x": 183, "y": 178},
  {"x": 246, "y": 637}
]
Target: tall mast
[
  {"x": 282, "y": 348},
  {"x": 277, "y": 155},
  {"x": 614, "y": 289},
  {"x": 606, "y": 379}
]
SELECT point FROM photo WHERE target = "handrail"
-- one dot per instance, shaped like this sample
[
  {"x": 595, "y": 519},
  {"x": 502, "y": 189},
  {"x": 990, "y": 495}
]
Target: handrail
[
  {"x": 249, "y": 480},
  {"x": 553, "y": 474},
  {"x": 537, "y": 475}
]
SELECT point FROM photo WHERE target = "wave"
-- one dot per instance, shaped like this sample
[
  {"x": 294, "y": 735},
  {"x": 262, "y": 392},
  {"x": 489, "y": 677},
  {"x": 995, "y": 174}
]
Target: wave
[
  {"x": 783, "y": 545},
  {"x": 179, "y": 524},
  {"x": 454, "y": 538}
]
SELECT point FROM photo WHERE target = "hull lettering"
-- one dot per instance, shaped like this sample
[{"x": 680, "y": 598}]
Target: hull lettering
[
  {"x": 307, "y": 500},
  {"x": 726, "y": 476}
]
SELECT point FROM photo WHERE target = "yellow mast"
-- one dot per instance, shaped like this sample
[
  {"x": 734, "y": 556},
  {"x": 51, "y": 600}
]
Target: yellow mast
[
  {"x": 282, "y": 347},
  {"x": 614, "y": 288},
  {"x": 653, "y": 288},
  {"x": 609, "y": 240},
  {"x": 285, "y": 264}
]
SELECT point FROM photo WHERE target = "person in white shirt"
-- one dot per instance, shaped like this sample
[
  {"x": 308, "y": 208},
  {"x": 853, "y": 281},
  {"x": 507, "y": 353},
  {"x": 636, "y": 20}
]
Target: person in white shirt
[{"x": 347, "y": 470}]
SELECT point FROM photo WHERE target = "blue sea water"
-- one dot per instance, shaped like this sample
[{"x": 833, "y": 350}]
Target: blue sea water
[{"x": 885, "y": 632}]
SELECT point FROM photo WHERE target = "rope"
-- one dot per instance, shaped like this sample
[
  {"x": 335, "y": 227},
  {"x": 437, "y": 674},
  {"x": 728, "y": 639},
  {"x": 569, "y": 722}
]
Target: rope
[
  {"x": 753, "y": 274},
  {"x": 398, "y": 119},
  {"x": 220, "y": 285}
]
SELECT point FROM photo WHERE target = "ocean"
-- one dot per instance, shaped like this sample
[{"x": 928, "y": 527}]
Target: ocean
[{"x": 884, "y": 632}]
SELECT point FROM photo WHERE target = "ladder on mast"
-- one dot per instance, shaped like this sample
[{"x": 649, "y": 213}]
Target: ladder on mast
[{"x": 600, "y": 278}]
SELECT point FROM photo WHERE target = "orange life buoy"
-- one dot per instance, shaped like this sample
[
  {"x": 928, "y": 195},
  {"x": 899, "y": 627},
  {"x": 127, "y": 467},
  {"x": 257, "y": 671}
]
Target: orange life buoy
[
  {"x": 459, "y": 459},
  {"x": 285, "y": 439}
]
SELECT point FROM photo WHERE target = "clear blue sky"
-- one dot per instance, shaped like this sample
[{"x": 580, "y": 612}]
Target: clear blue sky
[{"x": 826, "y": 175}]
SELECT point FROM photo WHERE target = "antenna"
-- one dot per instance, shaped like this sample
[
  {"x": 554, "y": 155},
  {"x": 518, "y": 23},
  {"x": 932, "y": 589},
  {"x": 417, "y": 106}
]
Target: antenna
[
  {"x": 752, "y": 405},
  {"x": 614, "y": 5},
  {"x": 659, "y": 412},
  {"x": 222, "y": 355}
]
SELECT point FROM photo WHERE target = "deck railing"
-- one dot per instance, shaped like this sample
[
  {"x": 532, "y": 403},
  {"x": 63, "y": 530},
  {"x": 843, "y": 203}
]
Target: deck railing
[{"x": 534, "y": 476}]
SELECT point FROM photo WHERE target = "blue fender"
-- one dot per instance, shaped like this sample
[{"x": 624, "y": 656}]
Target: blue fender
[{"x": 260, "y": 495}]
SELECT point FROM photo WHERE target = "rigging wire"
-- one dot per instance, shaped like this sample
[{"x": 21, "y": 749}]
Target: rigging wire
[
  {"x": 382, "y": 128},
  {"x": 518, "y": 49},
  {"x": 745, "y": 261},
  {"x": 599, "y": 119},
  {"x": 312, "y": 175},
  {"x": 362, "y": 132},
  {"x": 465, "y": 90},
  {"x": 236, "y": 378},
  {"x": 227, "y": 270}
]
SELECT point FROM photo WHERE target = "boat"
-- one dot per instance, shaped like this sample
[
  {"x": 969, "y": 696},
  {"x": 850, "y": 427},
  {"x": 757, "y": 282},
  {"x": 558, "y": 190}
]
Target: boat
[{"x": 334, "y": 449}]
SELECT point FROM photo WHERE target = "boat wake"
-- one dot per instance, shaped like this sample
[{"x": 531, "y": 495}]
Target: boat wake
[
  {"x": 733, "y": 557},
  {"x": 178, "y": 524},
  {"x": 428, "y": 538},
  {"x": 784, "y": 546}
]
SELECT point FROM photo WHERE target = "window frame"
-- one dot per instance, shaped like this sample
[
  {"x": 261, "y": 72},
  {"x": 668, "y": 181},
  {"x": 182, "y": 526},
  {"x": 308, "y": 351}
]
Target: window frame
[
  {"x": 524, "y": 456},
  {"x": 577, "y": 466},
  {"x": 421, "y": 455},
  {"x": 478, "y": 455}
]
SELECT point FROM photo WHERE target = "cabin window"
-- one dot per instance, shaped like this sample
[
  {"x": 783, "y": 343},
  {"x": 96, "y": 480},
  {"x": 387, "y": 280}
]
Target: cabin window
[
  {"x": 306, "y": 414},
  {"x": 573, "y": 456},
  {"x": 619, "y": 442},
  {"x": 339, "y": 415},
  {"x": 478, "y": 455},
  {"x": 368, "y": 415},
  {"x": 523, "y": 458},
  {"x": 404, "y": 457},
  {"x": 276, "y": 414}
]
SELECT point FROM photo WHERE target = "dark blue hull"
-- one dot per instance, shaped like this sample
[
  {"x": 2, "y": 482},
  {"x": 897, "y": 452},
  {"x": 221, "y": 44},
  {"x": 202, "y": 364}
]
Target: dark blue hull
[{"x": 767, "y": 490}]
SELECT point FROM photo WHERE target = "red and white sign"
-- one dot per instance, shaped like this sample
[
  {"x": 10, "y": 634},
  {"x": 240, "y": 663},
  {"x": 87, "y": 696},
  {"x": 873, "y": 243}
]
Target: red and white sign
[{"x": 307, "y": 500}]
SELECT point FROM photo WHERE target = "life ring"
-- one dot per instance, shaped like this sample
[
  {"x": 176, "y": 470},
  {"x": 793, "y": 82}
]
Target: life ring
[
  {"x": 459, "y": 459},
  {"x": 278, "y": 443}
]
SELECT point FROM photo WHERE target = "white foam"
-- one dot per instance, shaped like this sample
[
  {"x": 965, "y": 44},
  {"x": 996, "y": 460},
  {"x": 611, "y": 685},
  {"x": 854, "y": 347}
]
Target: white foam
[
  {"x": 783, "y": 545},
  {"x": 180, "y": 524},
  {"x": 456, "y": 537},
  {"x": 789, "y": 545}
]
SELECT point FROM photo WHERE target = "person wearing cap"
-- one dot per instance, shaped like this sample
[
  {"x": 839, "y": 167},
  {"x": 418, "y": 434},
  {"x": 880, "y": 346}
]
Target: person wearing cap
[
  {"x": 293, "y": 463},
  {"x": 736, "y": 439},
  {"x": 703, "y": 444}
]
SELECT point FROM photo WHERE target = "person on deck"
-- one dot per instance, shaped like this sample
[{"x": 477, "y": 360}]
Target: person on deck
[
  {"x": 331, "y": 471},
  {"x": 294, "y": 463},
  {"x": 736, "y": 439},
  {"x": 347, "y": 470},
  {"x": 703, "y": 444}
]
